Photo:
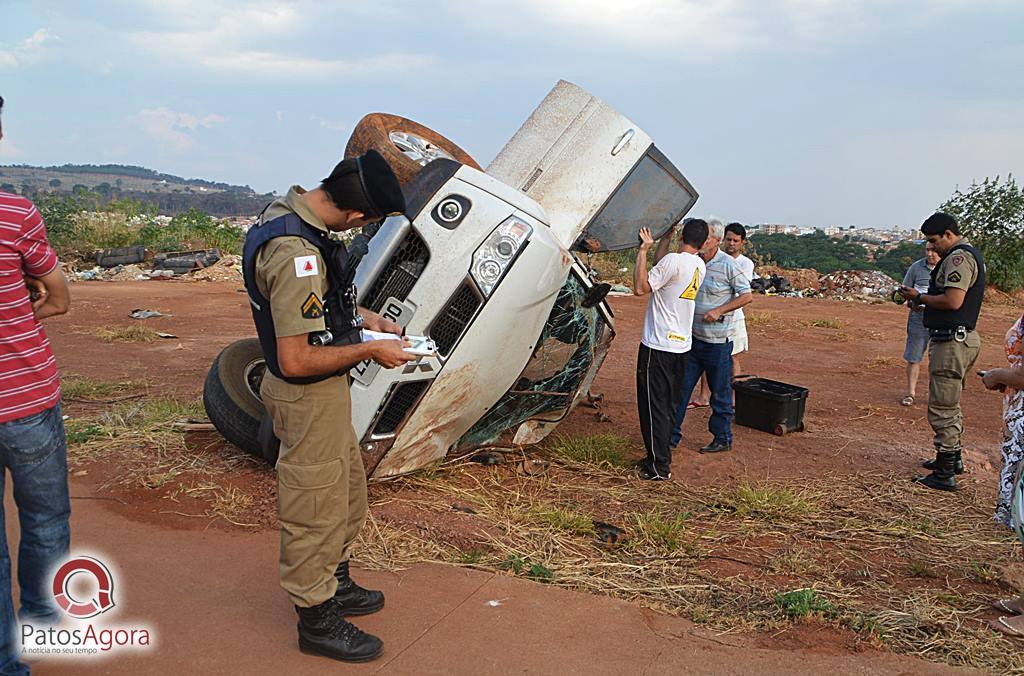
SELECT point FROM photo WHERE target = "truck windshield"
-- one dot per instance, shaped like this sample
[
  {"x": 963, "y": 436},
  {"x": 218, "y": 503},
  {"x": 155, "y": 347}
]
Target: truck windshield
[{"x": 654, "y": 195}]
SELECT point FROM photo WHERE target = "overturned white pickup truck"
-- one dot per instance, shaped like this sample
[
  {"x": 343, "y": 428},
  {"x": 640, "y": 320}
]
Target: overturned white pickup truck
[{"x": 487, "y": 264}]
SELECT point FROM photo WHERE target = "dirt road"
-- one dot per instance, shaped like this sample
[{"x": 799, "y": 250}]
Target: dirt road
[{"x": 211, "y": 588}]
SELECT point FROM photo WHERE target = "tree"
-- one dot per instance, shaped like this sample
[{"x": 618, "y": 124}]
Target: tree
[
  {"x": 896, "y": 261},
  {"x": 991, "y": 216},
  {"x": 54, "y": 182}
]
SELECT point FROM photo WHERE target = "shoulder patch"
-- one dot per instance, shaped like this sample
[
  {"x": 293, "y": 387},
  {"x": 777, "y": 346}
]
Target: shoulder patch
[
  {"x": 691, "y": 290},
  {"x": 953, "y": 277},
  {"x": 956, "y": 260},
  {"x": 306, "y": 266},
  {"x": 312, "y": 308}
]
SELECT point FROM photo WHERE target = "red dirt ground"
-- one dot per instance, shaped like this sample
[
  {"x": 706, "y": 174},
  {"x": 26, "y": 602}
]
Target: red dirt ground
[{"x": 855, "y": 374}]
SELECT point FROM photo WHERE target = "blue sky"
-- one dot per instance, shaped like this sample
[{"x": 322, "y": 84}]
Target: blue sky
[{"x": 809, "y": 112}]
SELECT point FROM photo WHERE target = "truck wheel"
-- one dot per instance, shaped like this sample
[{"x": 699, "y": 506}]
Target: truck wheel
[
  {"x": 407, "y": 145},
  {"x": 231, "y": 394}
]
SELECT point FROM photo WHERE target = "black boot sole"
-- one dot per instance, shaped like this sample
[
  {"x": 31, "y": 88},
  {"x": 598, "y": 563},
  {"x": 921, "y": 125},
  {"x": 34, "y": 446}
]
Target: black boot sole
[
  {"x": 923, "y": 480},
  {"x": 357, "y": 612},
  {"x": 310, "y": 649}
]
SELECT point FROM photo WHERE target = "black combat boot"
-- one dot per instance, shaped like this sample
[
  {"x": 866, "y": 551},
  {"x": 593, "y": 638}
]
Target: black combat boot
[
  {"x": 323, "y": 630},
  {"x": 943, "y": 477},
  {"x": 958, "y": 466},
  {"x": 353, "y": 599}
]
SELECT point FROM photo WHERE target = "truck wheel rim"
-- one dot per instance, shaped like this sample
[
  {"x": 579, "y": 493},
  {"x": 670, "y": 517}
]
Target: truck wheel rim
[
  {"x": 417, "y": 149},
  {"x": 253, "y": 373}
]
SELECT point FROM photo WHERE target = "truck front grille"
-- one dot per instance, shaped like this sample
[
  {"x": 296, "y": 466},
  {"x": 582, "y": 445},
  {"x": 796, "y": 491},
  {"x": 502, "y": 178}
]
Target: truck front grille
[
  {"x": 401, "y": 272},
  {"x": 451, "y": 322},
  {"x": 401, "y": 401}
]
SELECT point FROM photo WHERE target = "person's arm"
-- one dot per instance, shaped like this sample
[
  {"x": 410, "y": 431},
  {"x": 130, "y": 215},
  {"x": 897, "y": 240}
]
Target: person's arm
[
  {"x": 664, "y": 243},
  {"x": 375, "y": 322},
  {"x": 735, "y": 304},
  {"x": 641, "y": 282},
  {"x": 958, "y": 274},
  {"x": 741, "y": 296},
  {"x": 951, "y": 298},
  {"x": 54, "y": 296},
  {"x": 298, "y": 359},
  {"x": 39, "y": 261},
  {"x": 1000, "y": 379}
]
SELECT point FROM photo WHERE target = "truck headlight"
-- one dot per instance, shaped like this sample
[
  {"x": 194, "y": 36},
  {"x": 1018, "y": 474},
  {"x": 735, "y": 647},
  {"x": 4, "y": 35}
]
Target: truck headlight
[{"x": 492, "y": 259}]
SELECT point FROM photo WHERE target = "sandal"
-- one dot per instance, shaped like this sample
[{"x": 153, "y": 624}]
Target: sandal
[
  {"x": 694, "y": 404},
  {"x": 907, "y": 400},
  {"x": 1005, "y": 628},
  {"x": 1005, "y": 606}
]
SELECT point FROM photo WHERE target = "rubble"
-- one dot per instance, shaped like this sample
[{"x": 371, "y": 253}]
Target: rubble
[
  {"x": 799, "y": 279},
  {"x": 227, "y": 269},
  {"x": 857, "y": 285}
]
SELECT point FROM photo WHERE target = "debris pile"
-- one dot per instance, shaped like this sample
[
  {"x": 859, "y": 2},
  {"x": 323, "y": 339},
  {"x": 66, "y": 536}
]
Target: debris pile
[
  {"x": 201, "y": 267},
  {"x": 800, "y": 279},
  {"x": 857, "y": 285},
  {"x": 227, "y": 269}
]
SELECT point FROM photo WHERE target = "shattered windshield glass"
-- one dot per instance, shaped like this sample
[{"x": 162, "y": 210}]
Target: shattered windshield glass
[{"x": 573, "y": 338}]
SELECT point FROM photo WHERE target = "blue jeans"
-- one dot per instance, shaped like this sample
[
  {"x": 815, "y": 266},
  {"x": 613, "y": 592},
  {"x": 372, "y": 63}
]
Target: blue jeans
[
  {"x": 715, "y": 359},
  {"x": 34, "y": 450}
]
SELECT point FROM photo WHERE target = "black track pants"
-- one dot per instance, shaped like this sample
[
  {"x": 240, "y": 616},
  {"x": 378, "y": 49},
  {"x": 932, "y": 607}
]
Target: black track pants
[{"x": 659, "y": 380}]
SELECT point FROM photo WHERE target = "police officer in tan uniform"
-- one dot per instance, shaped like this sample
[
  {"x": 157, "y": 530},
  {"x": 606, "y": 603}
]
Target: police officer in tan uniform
[
  {"x": 299, "y": 282},
  {"x": 951, "y": 309}
]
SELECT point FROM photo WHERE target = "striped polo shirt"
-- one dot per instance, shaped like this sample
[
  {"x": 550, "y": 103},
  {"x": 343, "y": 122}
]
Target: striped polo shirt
[{"x": 28, "y": 372}]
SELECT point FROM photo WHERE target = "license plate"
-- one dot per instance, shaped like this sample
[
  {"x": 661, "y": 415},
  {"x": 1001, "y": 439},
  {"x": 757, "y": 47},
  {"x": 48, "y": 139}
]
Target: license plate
[{"x": 400, "y": 313}]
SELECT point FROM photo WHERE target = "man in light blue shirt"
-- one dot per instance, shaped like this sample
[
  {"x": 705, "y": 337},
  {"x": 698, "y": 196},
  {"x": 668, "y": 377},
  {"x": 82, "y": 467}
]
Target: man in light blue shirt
[
  {"x": 918, "y": 276},
  {"x": 724, "y": 290}
]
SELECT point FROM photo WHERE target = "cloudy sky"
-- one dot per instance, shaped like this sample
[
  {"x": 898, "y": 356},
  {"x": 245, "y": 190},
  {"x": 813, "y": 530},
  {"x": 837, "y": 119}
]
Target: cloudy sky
[{"x": 810, "y": 112}]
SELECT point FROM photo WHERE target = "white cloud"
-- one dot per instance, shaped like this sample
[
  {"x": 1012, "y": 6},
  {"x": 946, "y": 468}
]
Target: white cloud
[
  {"x": 171, "y": 128},
  {"x": 30, "y": 50},
  {"x": 332, "y": 125},
  {"x": 239, "y": 41}
]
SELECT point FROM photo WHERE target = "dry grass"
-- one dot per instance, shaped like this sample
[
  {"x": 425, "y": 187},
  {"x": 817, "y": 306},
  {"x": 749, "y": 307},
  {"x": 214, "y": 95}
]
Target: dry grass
[
  {"x": 149, "y": 454},
  {"x": 840, "y": 551},
  {"x": 83, "y": 388},
  {"x": 884, "y": 363},
  {"x": 822, "y": 323},
  {"x": 759, "y": 319},
  {"x": 125, "y": 334}
]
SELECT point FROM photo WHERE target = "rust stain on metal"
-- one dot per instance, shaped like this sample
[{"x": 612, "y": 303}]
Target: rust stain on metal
[{"x": 443, "y": 409}]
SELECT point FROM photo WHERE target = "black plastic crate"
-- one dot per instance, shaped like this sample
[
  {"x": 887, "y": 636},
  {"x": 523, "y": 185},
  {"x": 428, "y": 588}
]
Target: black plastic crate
[{"x": 770, "y": 406}]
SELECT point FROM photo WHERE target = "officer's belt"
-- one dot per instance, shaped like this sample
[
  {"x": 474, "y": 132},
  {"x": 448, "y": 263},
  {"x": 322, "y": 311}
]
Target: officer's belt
[{"x": 958, "y": 334}]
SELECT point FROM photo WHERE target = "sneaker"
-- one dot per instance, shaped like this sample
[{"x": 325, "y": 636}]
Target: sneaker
[{"x": 648, "y": 474}]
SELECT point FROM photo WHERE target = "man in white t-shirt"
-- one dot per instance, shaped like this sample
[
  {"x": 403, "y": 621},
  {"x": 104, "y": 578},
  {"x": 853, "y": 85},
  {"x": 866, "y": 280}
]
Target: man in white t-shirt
[
  {"x": 661, "y": 363},
  {"x": 735, "y": 240}
]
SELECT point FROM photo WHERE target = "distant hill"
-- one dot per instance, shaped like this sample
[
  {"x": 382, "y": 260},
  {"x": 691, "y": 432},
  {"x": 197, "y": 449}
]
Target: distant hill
[{"x": 170, "y": 194}]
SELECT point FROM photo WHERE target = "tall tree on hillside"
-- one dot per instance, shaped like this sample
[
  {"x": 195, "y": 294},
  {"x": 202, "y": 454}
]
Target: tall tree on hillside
[{"x": 991, "y": 216}]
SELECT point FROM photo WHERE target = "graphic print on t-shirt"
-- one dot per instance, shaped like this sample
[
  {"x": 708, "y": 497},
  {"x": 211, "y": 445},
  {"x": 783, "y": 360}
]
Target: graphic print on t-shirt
[{"x": 691, "y": 291}]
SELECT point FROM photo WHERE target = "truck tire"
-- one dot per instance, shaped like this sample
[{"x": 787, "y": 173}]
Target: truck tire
[
  {"x": 124, "y": 255},
  {"x": 405, "y": 144},
  {"x": 231, "y": 394}
]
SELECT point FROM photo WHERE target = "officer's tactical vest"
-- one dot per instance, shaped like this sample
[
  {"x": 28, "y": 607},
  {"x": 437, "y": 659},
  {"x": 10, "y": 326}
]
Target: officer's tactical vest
[
  {"x": 340, "y": 311},
  {"x": 967, "y": 315}
]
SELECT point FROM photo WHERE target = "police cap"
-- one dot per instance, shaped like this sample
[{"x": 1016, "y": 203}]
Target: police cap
[{"x": 367, "y": 184}]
